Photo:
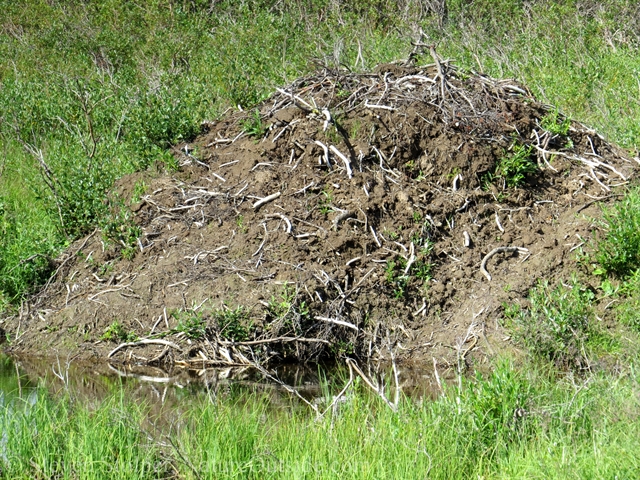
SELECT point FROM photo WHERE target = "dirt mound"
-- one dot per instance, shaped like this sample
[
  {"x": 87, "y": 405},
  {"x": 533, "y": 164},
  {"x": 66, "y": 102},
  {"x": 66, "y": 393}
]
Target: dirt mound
[{"x": 357, "y": 214}]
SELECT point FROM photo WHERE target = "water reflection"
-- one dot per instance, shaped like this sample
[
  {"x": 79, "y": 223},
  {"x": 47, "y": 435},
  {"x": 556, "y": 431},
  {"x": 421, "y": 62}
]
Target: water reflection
[{"x": 91, "y": 383}]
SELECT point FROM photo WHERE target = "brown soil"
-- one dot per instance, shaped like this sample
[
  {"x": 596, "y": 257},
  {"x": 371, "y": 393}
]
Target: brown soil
[{"x": 387, "y": 259}]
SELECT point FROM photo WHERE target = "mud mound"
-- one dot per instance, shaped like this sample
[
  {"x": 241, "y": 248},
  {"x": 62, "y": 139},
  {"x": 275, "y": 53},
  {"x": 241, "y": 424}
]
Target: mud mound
[{"x": 350, "y": 214}]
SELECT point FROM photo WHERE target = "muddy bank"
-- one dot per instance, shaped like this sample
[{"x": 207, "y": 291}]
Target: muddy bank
[{"x": 365, "y": 215}]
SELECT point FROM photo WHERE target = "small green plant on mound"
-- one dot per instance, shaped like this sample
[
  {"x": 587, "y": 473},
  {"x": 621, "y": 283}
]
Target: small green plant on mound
[
  {"x": 515, "y": 165},
  {"x": 253, "y": 125},
  {"x": 191, "y": 324},
  {"x": 324, "y": 204},
  {"x": 618, "y": 251},
  {"x": 139, "y": 189},
  {"x": 233, "y": 323},
  {"x": 557, "y": 324},
  {"x": 117, "y": 333},
  {"x": 552, "y": 123},
  {"x": 119, "y": 229},
  {"x": 629, "y": 309},
  {"x": 403, "y": 280},
  {"x": 286, "y": 313}
]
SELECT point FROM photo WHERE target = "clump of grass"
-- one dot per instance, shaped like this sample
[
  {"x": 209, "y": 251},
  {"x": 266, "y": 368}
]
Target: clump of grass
[
  {"x": 509, "y": 423},
  {"x": 63, "y": 439},
  {"x": 253, "y": 125},
  {"x": 557, "y": 324},
  {"x": 618, "y": 250},
  {"x": 286, "y": 313},
  {"x": 553, "y": 124},
  {"x": 190, "y": 323}
]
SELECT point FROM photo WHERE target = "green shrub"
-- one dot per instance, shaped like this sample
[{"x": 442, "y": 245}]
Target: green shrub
[
  {"x": 191, "y": 324},
  {"x": 557, "y": 323},
  {"x": 117, "y": 333},
  {"x": 515, "y": 165},
  {"x": 618, "y": 250},
  {"x": 552, "y": 123},
  {"x": 233, "y": 323}
]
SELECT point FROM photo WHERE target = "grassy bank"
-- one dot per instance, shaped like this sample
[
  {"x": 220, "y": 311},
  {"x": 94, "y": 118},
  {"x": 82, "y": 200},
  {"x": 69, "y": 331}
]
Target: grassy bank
[
  {"x": 506, "y": 425},
  {"x": 90, "y": 92}
]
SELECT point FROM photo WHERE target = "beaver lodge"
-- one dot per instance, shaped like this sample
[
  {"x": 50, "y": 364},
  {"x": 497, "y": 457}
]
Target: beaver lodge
[{"x": 374, "y": 216}]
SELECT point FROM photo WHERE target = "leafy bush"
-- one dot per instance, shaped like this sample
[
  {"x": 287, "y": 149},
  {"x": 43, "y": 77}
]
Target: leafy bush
[
  {"x": 515, "y": 165},
  {"x": 191, "y": 324},
  {"x": 552, "y": 123},
  {"x": 233, "y": 323},
  {"x": 117, "y": 333}
]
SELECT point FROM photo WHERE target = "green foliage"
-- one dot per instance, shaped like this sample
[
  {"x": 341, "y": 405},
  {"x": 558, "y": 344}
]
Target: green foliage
[
  {"x": 324, "y": 204},
  {"x": 618, "y": 251},
  {"x": 233, "y": 323},
  {"x": 628, "y": 309},
  {"x": 117, "y": 333},
  {"x": 405, "y": 282},
  {"x": 190, "y": 323},
  {"x": 139, "y": 189},
  {"x": 119, "y": 228},
  {"x": 558, "y": 323},
  {"x": 553, "y": 124},
  {"x": 515, "y": 165},
  {"x": 286, "y": 312},
  {"x": 253, "y": 125},
  {"x": 507, "y": 423}
]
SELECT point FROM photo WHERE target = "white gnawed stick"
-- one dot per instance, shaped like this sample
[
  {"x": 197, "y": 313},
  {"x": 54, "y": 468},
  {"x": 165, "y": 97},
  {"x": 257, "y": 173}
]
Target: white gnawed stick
[
  {"x": 326, "y": 152},
  {"x": 264, "y": 200},
  {"x": 144, "y": 341},
  {"x": 483, "y": 264},
  {"x": 337, "y": 322},
  {"x": 347, "y": 164}
]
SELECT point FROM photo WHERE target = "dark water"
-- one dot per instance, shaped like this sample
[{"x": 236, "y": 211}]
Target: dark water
[{"x": 28, "y": 377}]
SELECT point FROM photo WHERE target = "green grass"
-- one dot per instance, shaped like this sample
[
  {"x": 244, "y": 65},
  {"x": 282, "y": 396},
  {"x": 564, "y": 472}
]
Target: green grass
[
  {"x": 618, "y": 248},
  {"x": 512, "y": 423}
]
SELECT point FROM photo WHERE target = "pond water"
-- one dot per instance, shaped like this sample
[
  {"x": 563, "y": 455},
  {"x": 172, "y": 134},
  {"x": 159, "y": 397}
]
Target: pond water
[{"x": 28, "y": 377}]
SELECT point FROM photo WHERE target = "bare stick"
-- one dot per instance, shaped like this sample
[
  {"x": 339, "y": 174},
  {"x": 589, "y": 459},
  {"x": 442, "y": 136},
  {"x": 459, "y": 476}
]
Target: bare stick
[
  {"x": 347, "y": 164},
  {"x": 483, "y": 264},
  {"x": 144, "y": 341},
  {"x": 155, "y": 325},
  {"x": 467, "y": 239},
  {"x": 435, "y": 371},
  {"x": 299, "y": 102},
  {"x": 263, "y": 241},
  {"x": 326, "y": 152},
  {"x": 456, "y": 182},
  {"x": 498, "y": 223},
  {"x": 277, "y": 339},
  {"x": 327, "y": 119},
  {"x": 381, "y": 107},
  {"x": 305, "y": 188},
  {"x": 337, "y": 322},
  {"x": 412, "y": 259},
  {"x": 375, "y": 237},
  {"x": 376, "y": 388},
  {"x": 264, "y": 200},
  {"x": 283, "y": 218}
]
